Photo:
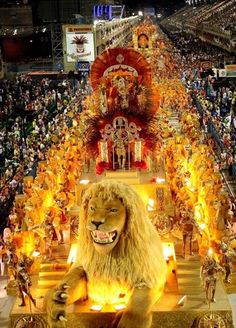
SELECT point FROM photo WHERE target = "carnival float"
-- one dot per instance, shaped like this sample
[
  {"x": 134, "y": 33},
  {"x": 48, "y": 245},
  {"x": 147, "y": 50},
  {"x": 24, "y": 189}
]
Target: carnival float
[{"x": 124, "y": 148}]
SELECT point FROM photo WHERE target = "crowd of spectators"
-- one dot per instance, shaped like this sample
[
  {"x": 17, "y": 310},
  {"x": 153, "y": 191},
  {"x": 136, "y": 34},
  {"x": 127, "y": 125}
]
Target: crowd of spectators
[
  {"x": 215, "y": 98},
  {"x": 218, "y": 21},
  {"x": 214, "y": 23},
  {"x": 219, "y": 105},
  {"x": 33, "y": 114},
  {"x": 211, "y": 15}
]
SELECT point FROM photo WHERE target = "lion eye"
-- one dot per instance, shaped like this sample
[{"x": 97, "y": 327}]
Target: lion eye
[
  {"x": 92, "y": 208},
  {"x": 113, "y": 210}
]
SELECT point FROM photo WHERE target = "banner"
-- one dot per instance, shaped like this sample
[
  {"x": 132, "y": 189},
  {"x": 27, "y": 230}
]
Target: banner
[
  {"x": 231, "y": 70},
  {"x": 228, "y": 71},
  {"x": 83, "y": 66},
  {"x": 79, "y": 45},
  {"x": 222, "y": 73}
]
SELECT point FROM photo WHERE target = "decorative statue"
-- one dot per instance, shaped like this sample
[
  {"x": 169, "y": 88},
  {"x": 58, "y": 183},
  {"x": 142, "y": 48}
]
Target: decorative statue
[
  {"x": 50, "y": 236},
  {"x": 74, "y": 227},
  {"x": 117, "y": 247},
  {"x": 61, "y": 224},
  {"x": 120, "y": 150},
  {"x": 9, "y": 258},
  {"x": 225, "y": 260},
  {"x": 23, "y": 279},
  {"x": 122, "y": 90},
  {"x": 209, "y": 274},
  {"x": 2, "y": 252},
  {"x": 188, "y": 225},
  {"x": 7, "y": 236},
  {"x": 103, "y": 99}
]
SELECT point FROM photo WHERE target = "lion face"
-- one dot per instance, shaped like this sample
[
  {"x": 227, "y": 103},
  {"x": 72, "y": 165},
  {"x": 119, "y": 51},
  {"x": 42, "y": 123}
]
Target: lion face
[{"x": 105, "y": 221}]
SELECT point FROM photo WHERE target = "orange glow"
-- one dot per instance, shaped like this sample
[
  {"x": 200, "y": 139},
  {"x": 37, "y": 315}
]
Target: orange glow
[
  {"x": 27, "y": 243},
  {"x": 48, "y": 199},
  {"x": 102, "y": 293}
]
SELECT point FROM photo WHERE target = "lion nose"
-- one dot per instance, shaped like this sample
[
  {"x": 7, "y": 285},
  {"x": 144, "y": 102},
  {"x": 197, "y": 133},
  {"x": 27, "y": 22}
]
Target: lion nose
[{"x": 97, "y": 223}]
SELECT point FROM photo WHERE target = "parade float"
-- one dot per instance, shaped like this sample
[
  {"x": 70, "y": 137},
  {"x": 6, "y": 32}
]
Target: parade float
[
  {"x": 144, "y": 37},
  {"x": 125, "y": 133}
]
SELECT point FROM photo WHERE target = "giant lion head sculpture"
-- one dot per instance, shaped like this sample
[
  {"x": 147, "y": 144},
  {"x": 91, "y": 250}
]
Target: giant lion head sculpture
[
  {"x": 116, "y": 237},
  {"x": 119, "y": 253}
]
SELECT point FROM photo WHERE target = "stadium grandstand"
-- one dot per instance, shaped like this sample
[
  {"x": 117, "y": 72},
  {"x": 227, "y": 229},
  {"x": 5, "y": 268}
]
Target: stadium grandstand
[{"x": 213, "y": 22}]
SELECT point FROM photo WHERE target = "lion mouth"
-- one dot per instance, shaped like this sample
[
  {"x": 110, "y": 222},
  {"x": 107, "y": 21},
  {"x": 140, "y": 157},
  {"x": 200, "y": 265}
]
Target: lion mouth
[{"x": 101, "y": 237}]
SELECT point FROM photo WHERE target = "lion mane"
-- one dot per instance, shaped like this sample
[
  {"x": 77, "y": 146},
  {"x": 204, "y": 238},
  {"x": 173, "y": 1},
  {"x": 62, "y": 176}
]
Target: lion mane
[{"x": 137, "y": 259}]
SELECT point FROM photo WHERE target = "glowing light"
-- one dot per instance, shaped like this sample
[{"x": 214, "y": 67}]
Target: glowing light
[
  {"x": 182, "y": 300},
  {"x": 96, "y": 307},
  {"x": 73, "y": 254},
  {"x": 48, "y": 202},
  {"x": 188, "y": 183},
  {"x": 202, "y": 226},
  {"x": 151, "y": 204},
  {"x": 119, "y": 307},
  {"x": 160, "y": 180},
  {"x": 210, "y": 252},
  {"x": 169, "y": 251},
  {"x": 15, "y": 31},
  {"x": 140, "y": 13},
  {"x": 36, "y": 254},
  {"x": 84, "y": 182},
  {"x": 74, "y": 123},
  {"x": 108, "y": 294}
]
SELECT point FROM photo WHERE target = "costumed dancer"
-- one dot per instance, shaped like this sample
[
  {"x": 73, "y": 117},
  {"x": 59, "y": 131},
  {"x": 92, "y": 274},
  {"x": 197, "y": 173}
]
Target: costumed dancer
[
  {"x": 23, "y": 279},
  {"x": 210, "y": 270},
  {"x": 188, "y": 225},
  {"x": 225, "y": 260}
]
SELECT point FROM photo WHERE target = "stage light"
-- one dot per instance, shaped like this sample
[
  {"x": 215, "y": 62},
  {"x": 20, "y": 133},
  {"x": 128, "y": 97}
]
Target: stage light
[
  {"x": 182, "y": 300},
  {"x": 36, "y": 254},
  {"x": 210, "y": 252},
  {"x": 160, "y": 180},
  {"x": 151, "y": 205},
  {"x": 72, "y": 254},
  {"x": 84, "y": 182},
  {"x": 15, "y": 31},
  {"x": 202, "y": 226},
  {"x": 140, "y": 13},
  {"x": 44, "y": 29},
  {"x": 169, "y": 251},
  {"x": 119, "y": 307},
  {"x": 96, "y": 307}
]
